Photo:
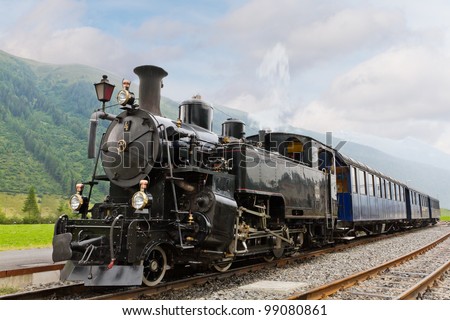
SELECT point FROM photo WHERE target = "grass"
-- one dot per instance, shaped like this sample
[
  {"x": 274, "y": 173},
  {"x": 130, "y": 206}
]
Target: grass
[
  {"x": 445, "y": 214},
  {"x": 11, "y": 204},
  {"x": 7, "y": 290},
  {"x": 25, "y": 236}
]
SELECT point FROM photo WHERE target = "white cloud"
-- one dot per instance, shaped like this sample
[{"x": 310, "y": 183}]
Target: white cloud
[
  {"x": 399, "y": 93},
  {"x": 319, "y": 41},
  {"x": 52, "y": 32},
  {"x": 443, "y": 140},
  {"x": 344, "y": 32},
  {"x": 374, "y": 67},
  {"x": 270, "y": 108},
  {"x": 311, "y": 32}
]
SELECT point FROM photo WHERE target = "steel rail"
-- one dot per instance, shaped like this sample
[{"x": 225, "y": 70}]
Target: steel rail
[
  {"x": 328, "y": 289},
  {"x": 79, "y": 289},
  {"x": 416, "y": 291},
  {"x": 198, "y": 280}
]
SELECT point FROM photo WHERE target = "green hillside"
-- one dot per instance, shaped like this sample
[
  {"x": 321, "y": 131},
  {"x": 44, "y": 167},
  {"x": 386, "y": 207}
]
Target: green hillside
[{"x": 42, "y": 127}]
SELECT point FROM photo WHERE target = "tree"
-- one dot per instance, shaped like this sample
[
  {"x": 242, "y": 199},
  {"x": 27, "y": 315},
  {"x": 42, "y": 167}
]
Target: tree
[
  {"x": 31, "y": 208},
  {"x": 63, "y": 209},
  {"x": 3, "y": 219}
]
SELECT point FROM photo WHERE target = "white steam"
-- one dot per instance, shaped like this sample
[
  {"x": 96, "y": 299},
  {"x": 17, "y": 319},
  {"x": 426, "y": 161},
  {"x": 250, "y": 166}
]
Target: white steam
[{"x": 272, "y": 109}]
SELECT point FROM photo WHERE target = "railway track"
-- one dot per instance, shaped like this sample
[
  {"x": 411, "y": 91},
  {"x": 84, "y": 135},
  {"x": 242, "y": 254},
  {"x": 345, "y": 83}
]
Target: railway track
[
  {"x": 412, "y": 276},
  {"x": 79, "y": 291},
  {"x": 440, "y": 289},
  {"x": 175, "y": 283}
]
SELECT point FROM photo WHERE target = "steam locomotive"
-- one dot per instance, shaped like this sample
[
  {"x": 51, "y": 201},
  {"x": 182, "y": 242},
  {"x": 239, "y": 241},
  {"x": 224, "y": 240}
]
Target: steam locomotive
[{"x": 179, "y": 194}]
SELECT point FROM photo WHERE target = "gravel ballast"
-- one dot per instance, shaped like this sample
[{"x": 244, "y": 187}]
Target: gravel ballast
[{"x": 313, "y": 272}]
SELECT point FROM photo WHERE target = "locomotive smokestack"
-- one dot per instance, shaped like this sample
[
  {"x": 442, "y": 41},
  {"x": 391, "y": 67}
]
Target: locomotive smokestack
[{"x": 150, "y": 88}]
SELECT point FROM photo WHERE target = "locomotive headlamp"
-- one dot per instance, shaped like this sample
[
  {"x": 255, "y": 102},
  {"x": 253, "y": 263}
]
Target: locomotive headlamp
[
  {"x": 125, "y": 97},
  {"x": 141, "y": 199},
  {"x": 76, "y": 201}
]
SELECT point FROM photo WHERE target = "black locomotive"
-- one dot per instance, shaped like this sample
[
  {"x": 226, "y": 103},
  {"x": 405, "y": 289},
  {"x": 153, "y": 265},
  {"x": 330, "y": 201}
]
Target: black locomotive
[{"x": 182, "y": 195}]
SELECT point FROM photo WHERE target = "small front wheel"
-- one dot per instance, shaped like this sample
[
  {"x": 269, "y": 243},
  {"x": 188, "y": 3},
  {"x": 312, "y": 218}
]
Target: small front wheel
[
  {"x": 268, "y": 258},
  {"x": 155, "y": 266},
  {"x": 222, "y": 267}
]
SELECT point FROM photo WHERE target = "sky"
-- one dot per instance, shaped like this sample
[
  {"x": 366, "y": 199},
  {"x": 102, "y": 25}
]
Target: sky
[{"x": 366, "y": 68}]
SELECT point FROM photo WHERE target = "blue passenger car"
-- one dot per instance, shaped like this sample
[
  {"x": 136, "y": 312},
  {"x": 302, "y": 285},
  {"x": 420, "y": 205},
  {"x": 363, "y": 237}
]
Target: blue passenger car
[
  {"x": 368, "y": 197},
  {"x": 421, "y": 208},
  {"x": 435, "y": 210}
]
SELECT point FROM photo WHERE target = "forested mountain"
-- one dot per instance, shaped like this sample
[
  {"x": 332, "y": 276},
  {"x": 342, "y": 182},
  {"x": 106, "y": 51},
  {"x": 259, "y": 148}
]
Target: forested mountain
[
  {"x": 42, "y": 116},
  {"x": 44, "y": 119}
]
